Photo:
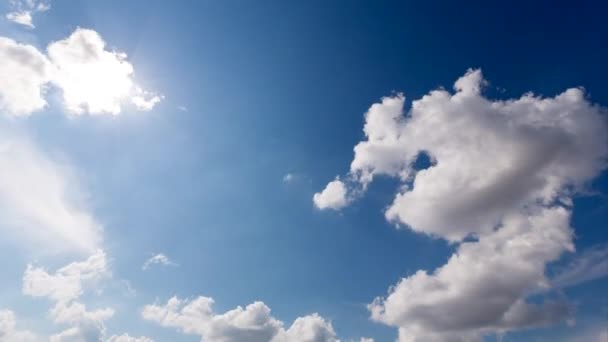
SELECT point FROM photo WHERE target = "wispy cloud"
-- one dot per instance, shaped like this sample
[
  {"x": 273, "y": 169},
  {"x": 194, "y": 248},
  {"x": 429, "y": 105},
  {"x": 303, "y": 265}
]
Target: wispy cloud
[
  {"x": 158, "y": 259},
  {"x": 23, "y": 11},
  {"x": 589, "y": 265}
]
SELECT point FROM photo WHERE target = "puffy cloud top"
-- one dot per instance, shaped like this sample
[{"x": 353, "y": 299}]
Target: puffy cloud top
[
  {"x": 254, "y": 323},
  {"x": 92, "y": 79},
  {"x": 503, "y": 173}
]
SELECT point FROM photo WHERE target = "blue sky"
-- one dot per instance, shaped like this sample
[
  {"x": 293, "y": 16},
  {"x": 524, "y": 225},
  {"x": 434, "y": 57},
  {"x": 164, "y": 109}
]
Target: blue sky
[{"x": 226, "y": 99}]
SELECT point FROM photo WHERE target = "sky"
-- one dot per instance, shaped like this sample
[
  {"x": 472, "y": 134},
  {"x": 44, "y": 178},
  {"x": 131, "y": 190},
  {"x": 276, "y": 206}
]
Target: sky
[{"x": 314, "y": 171}]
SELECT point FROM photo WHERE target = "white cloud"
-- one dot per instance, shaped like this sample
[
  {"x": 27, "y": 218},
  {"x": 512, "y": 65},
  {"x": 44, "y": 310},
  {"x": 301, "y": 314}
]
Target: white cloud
[
  {"x": 127, "y": 338},
  {"x": 68, "y": 282},
  {"x": 489, "y": 157},
  {"x": 332, "y": 197},
  {"x": 38, "y": 199},
  {"x": 158, "y": 259},
  {"x": 589, "y": 265},
  {"x": 145, "y": 100},
  {"x": 23, "y": 18},
  {"x": 254, "y": 323},
  {"x": 365, "y": 339},
  {"x": 9, "y": 331},
  {"x": 24, "y": 10},
  {"x": 311, "y": 328},
  {"x": 483, "y": 286},
  {"x": 92, "y": 79},
  {"x": 501, "y": 171},
  {"x": 64, "y": 287},
  {"x": 23, "y": 73}
]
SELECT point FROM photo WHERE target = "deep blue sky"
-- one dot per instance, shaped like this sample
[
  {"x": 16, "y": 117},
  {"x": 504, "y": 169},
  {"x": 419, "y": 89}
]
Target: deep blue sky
[{"x": 275, "y": 87}]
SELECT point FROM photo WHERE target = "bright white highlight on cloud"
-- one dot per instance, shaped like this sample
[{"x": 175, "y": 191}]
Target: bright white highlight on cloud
[
  {"x": 254, "y": 323},
  {"x": 158, "y": 259},
  {"x": 91, "y": 78},
  {"x": 9, "y": 331},
  {"x": 502, "y": 172},
  {"x": 332, "y": 197},
  {"x": 40, "y": 199}
]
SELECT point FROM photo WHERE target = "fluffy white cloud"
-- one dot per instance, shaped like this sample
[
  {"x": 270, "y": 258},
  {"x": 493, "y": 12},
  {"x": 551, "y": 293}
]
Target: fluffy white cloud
[
  {"x": 483, "y": 286},
  {"x": 9, "y": 331},
  {"x": 311, "y": 328},
  {"x": 23, "y": 73},
  {"x": 38, "y": 199},
  {"x": 502, "y": 172},
  {"x": 254, "y": 323},
  {"x": 68, "y": 282},
  {"x": 489, "y": 157},
  {"x": 64, "y": 287},
  {"x": 158, "y": 259},
  {"x": 92, "y": 79},
  {"x": 332, "y": 197}
]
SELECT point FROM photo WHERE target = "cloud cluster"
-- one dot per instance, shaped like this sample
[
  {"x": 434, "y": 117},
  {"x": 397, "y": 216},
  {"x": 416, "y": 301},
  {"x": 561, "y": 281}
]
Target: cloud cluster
[
  {"x": 254, "y": 323},
  {"x": 502, "y": 175},
  {"x": 91, "y": 78},
  {"x": 64, "y": 287}
]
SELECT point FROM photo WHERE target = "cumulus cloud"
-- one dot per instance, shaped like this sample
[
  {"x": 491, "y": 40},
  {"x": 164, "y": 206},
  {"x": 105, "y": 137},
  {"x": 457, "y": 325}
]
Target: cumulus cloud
[
  {"x": 334, "y": 196},
  {"x": 38, "y": 199},
  {"x": 64, "y": 287},
  {"x": 254, "y": 323},
  {"x": 9, "y": 331},
  {"x": 68, "y": 282},
  {"x": 91, "y": 78},
  {"x": 23, "y": 73},
  {"x": 158, "y": 259},
  {"x": 501, "y": 172},
  {"x": 490, "y": 278}
]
